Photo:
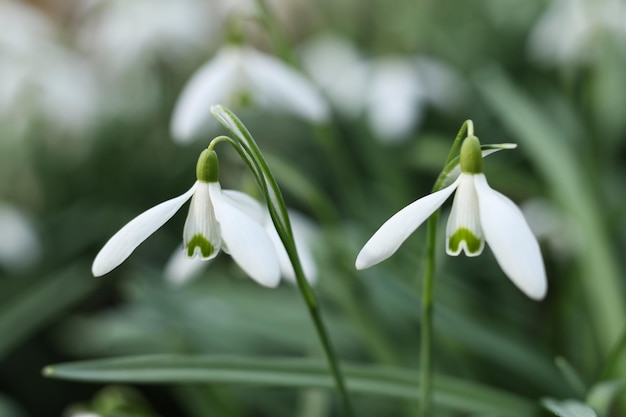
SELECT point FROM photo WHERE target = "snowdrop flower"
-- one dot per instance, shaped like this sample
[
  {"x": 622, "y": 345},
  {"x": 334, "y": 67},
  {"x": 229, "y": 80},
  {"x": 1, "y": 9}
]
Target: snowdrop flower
[
  {"x": 478, "y": 214},
  {"x": 215, "y": 221},
  {"x": 180, "y": 269},
  {"x": 240, "y": 73}
]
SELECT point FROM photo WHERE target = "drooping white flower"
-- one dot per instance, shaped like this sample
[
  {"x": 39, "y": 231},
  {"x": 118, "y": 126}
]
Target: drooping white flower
[
  {"x": 479, "y": 214},
  {"x": 180, "y": 269},
  {"x": 215, "y": 221},
  {"x": 239, "y": 73}
]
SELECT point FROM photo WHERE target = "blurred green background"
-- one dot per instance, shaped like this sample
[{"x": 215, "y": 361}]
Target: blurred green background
[{"x": 87, "y": 93}]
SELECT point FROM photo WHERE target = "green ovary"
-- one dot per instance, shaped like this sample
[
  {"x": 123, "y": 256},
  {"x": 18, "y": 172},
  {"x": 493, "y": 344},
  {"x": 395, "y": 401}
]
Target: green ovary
[
  {"x": 472, "y": 242},
  {"x": 201, "y": 242}
]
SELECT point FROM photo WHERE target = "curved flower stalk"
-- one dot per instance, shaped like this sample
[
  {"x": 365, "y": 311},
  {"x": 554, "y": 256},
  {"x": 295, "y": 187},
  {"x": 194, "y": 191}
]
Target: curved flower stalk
[
  {"x": 180, "y": 269},
  {"x": 479, "y": 214},
  {"x": 215, "y": 221},
  {"x": 240, "y": 73}
]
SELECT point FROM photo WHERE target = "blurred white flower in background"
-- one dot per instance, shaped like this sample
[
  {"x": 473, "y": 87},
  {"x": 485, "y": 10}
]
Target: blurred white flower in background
[
  {"x": 568, "y": 30},
  {"x": 19, "y": 244},
  {"x": 553, "y": 226},
  {"x": 40, "y": 78},
  {"x": 337, "y": 67},
  {"x": 180, "y": 269},
  {"x": 236, "y": 75},
  {"x": 121, "y": 34},
  {"x": 391, "y": 91}
]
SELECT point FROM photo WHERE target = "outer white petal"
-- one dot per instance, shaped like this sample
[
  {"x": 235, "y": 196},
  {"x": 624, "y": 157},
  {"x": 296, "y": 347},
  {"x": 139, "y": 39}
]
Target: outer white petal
[
  {"x": 511, "y": 240},
  {"x": 213, "y": 83},
  {"x": 247, "y": 241},
  {"x": 275, "y": 84},
  {"x": 124, "y": 242},
  {"x": 247, "y": 204},
  {"x": 397, "y": 229},
  {"x": 465, "y": 215}
]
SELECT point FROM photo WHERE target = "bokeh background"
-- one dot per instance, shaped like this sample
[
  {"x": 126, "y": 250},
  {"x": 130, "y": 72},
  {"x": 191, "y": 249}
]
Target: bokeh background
[{"x": 88, "y": 90}]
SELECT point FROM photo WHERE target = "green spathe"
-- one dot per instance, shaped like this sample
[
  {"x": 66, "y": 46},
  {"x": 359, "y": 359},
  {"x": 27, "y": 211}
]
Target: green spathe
[
  {"x": 472, "y": 242},
  {"x": 199, "y": 241},
  {"x": 207, "y": 169},
  {"x": 471, "y": 156}
]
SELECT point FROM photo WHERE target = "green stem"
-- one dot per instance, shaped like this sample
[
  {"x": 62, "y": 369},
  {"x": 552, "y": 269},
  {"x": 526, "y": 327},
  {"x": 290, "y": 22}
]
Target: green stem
[
  {"x": 428, "y": 284},
  {"x": 251, "y": 154},
  {"x": 427, "y": 317}
]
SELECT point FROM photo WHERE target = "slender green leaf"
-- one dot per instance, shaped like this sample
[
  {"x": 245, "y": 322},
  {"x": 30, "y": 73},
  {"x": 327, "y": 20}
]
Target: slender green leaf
[
  {"x": 450, "y": 393},
  {"x": 568, "y": 408}
]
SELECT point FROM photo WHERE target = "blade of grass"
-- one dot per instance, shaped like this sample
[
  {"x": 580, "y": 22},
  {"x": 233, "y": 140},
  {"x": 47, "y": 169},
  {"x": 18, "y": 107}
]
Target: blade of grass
[{"x": 450, "y": 393}]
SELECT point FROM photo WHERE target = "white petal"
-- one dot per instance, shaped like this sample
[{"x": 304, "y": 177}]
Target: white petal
[
  {"x": 247, "y": 204},
  {"x": 201, "y": 235},
  {"x": 124, "y": 242},
  {"x": 463, "y": 231},
  {"x": 397, "y": 229},
  {"x": 275, "y": 84},
  {"x": 511, "y": 240},
  {"x": 247, "y": 241},
  {"x": 213, "y": 83}
]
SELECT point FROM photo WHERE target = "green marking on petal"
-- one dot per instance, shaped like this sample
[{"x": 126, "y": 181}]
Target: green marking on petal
[
  {"x": 199, "y": 241},
  {"x": 472, "y": 242}
]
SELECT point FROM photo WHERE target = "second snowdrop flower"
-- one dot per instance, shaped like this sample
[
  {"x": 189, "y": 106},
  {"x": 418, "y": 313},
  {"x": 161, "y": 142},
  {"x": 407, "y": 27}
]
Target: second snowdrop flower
[
  {"x": 214, "y": 222},
  {"x": 479, "y": 214}
]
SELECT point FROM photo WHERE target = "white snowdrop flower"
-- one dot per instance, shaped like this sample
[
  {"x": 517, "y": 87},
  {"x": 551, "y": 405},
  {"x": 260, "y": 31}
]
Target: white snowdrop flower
[
  {"x": 19, "y": 244},
  {"x": 479, "y": 214},
  {"x": 569, "y": 29},
  {"x": 180, "y": 269},
  {"x": 215, "y": 221},
  {"x": 240, "y": 72}
]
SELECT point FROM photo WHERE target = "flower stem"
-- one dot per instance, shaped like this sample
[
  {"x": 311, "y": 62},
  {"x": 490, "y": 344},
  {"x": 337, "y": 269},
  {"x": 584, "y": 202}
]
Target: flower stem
[
  {"x": 427, "y": 317},
  {"x": 249, "y": 151},
  {"x": 428, "y": 285}
]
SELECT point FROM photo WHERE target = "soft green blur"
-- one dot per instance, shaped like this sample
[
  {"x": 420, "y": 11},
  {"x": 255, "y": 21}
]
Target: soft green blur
[{"x": 87, "y": 94}]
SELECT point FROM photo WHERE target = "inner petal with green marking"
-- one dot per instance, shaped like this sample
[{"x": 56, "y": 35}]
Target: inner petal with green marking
[
  {"x": 464, "y": 232},
  {"x": 202, "y": 243},
  {"x": 464, "y": 239}
]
